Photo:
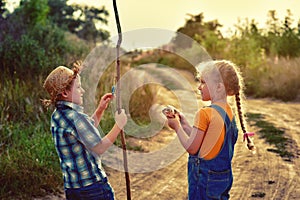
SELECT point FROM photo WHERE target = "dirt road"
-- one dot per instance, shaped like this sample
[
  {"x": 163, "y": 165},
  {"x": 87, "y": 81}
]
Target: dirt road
[{"x": 263, "y": 175}]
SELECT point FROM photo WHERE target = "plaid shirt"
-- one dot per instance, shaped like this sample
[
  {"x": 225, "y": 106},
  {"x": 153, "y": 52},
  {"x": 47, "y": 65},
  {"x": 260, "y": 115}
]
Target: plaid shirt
[{"x": 74, "y": 134}]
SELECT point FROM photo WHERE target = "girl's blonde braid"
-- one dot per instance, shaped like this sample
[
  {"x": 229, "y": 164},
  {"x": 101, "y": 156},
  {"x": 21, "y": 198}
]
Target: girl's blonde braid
[
  {"x": 234, "y": 84},
  {"x": 239, "y": 110},
  {"x": 250, "y": 143}
]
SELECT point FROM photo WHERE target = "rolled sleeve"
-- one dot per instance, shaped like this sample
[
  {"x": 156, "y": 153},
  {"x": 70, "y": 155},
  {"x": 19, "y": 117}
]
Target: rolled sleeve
[
  {"x": 201, "y": 120},
  {"x": 88, "y": 134}
]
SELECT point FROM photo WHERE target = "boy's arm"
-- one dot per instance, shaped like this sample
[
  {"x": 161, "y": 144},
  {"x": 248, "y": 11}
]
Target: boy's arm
[
  {"x": 109, "y": 139},
  {"x": 97, "y": 116},
  {"x": 89, "y": 135},
  {"x": 103, "y": 104}
]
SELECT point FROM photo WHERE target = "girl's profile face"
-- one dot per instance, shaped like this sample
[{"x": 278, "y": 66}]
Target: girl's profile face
[
  {"x": 75, "y": 95},
  {"x": 203, "y": 88}
]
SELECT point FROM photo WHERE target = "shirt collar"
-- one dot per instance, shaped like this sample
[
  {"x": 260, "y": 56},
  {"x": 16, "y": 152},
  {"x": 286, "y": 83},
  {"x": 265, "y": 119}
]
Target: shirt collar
[{"x": 71, "y": 105}]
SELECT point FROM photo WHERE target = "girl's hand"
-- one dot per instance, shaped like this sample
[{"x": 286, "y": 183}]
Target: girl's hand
[
  {"x": 183, "y": 120},
  {"x": 105, "y": 99},
  {"x": 174, "y": 122}
]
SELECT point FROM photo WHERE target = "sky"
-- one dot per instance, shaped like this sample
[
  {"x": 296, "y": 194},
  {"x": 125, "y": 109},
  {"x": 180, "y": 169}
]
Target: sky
[{"x": 172, "y": 14}]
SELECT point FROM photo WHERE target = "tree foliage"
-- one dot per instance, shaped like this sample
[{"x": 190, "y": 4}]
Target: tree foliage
[
  {"x": 2, "y": 8},
  {"x": 80, "y": 20},
  {"x": 38, "y": 35},
  {"x": 278, "y": 38},
  {"x": 34, "y": 13},
  {"x": 196, "y": 28},
  {"x": 251, "y": 48}
]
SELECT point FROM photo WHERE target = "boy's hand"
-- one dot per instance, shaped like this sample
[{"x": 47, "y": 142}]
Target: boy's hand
[
  {"x": 121, "y": 119},
  {"x": 105, "y": 99}
]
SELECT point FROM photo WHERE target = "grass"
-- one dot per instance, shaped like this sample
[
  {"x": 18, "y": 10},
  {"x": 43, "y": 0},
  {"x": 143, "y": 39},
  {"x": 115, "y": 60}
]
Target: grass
[
  {"x": 107, "y": 122},
  {"x": 278, "y": 79},
  {"x": 272, "y": 135},
  {"x": 29, "y": 165}
]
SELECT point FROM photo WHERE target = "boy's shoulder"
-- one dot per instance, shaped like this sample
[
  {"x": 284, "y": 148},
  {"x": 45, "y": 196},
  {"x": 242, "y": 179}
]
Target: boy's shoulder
[
  {"x": 66, "y": 105},
  {"x": 65, "y": 111}
]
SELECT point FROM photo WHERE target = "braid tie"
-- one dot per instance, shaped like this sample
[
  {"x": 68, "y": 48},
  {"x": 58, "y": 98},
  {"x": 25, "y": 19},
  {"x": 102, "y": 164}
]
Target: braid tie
[{"x": 246, "y": 135}]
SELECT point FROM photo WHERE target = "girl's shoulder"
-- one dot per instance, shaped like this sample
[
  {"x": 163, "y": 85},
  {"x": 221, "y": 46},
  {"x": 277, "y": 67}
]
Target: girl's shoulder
[
  {"x": 226, "y": 107},
  {"x": 205, "y": 112},
  {"x": 206, "y": 109}
]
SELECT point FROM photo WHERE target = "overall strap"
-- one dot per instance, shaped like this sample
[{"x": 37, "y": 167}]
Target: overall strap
[
  {"x": 224, "y": 116},
  {"x": 230, "y": 125},
  {"x": 222, "y": 112}
]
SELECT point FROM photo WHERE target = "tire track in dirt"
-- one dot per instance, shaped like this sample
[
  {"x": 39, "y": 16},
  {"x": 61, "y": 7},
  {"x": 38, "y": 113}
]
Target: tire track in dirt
[
  {"x": 283, "y": 176},
  {"x": 263, "y": 175}
]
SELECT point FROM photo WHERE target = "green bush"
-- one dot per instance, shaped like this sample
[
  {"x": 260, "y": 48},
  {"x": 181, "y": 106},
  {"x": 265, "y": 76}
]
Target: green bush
[
  {"x": 29, "y": 164},
  {"x": 39, "y": 52},
  {"x": 24, "y": 56}
]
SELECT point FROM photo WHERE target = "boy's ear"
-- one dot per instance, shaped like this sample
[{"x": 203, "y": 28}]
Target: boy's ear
[{"x": 65, "y": 94}]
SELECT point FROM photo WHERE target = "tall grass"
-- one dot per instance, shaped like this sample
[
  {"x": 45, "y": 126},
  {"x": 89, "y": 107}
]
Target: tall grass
[
  {"x": 28, "y": 162},
  {"x": 276, "y": 78}
]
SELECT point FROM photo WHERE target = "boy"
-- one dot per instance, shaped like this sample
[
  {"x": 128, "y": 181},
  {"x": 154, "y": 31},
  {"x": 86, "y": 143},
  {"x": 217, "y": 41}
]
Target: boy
[{"x": 76, "y": 138}]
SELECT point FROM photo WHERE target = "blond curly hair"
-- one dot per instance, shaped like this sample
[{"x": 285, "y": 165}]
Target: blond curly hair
[{"x": 226, "y": 72}]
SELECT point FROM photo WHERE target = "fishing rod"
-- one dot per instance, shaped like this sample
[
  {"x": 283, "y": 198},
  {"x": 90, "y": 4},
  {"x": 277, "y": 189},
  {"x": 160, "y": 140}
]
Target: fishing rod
[{"x": 119, "y": 100}]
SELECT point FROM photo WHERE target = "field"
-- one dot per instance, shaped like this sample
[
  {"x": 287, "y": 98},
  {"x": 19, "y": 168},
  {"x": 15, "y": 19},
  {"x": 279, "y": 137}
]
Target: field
[{"x": 264, "y": 175}]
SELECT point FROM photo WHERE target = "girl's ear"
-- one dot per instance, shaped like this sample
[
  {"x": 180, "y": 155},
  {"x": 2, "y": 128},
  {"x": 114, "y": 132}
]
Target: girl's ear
[{"x": 220, "y": 87}]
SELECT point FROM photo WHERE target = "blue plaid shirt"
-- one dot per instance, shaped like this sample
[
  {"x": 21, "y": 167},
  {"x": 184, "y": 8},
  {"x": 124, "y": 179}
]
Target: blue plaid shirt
[{"x": 74, "y": 134}]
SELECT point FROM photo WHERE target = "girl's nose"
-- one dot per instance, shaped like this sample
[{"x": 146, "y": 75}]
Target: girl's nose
[{"x": 200, "y": 87}]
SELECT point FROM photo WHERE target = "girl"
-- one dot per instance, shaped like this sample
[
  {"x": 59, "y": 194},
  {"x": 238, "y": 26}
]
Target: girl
[
  {"x": 76, "y": 137},
  {"x": 210, "y": 142}
]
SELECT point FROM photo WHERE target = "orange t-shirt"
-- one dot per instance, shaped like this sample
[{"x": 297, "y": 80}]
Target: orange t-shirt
[{"x": 211, "y": 123}]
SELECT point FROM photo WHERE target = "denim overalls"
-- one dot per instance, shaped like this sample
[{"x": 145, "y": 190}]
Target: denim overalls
[{"x": 212, "y": 179}]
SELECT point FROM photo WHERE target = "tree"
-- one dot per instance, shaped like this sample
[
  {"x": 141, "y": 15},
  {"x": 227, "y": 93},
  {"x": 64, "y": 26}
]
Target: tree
[
  {"x": 196, "y": 28},
  {"x": 88, "y": 29},
  {"x": 289, "y": 43},
  {"x": 31, "y": 43},
  {"x": 34, "y": 13},
  {"x": 81, "y": 20},
  {"x": 282, "y": 38},
  {"x": 2, "y": 9}
]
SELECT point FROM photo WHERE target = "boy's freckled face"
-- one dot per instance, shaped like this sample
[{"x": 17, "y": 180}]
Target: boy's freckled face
[{"x": 76, "y": 93}]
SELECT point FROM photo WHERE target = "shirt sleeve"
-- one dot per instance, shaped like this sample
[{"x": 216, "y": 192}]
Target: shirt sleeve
[
  {"x": 88, "y": 134},
  {"x": 202, "y": 120}
]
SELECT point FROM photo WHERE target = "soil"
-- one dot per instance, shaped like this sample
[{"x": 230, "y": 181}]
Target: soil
[{"x": 264, "y": 175}]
